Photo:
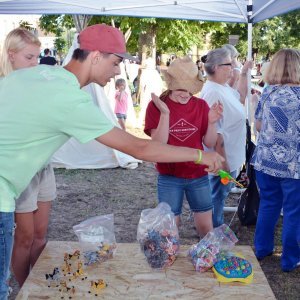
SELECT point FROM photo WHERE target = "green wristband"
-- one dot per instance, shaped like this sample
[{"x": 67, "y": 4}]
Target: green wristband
[{"x": 198, "y": 161}]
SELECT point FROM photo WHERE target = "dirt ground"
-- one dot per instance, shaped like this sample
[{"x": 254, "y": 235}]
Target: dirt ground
[{"x": 86, "y": 193}]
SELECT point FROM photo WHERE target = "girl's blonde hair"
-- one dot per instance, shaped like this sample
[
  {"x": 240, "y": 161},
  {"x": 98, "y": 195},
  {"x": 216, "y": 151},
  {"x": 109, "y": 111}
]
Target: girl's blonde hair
[
  {"x": 15, "y": 41},
  {"x": 284, "y": 68}
]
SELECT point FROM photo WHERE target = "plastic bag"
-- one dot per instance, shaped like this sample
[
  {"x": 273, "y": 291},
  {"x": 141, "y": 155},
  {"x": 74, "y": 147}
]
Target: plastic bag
[
  {"x": 158, "y": 236},
  {"x": 205, "y": 254},
  {"x": 97, "y": 238}
]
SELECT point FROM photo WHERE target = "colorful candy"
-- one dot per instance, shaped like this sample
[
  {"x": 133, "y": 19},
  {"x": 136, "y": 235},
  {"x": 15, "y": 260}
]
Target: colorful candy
[
  {"x": 160, "y": 248},
  {"x": 204, "y": 254}
]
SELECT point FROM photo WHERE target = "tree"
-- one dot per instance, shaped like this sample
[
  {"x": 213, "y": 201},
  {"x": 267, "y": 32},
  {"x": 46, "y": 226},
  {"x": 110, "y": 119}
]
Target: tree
[
  {"x": 26, "y": 25},
  {"x": 58, "y": 25},
  {"x": 268, "y": 36},
  {"x": 147, "y": 34}
]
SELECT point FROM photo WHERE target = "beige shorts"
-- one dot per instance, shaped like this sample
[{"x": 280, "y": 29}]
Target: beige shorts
[{"x": 41, "y": 188}]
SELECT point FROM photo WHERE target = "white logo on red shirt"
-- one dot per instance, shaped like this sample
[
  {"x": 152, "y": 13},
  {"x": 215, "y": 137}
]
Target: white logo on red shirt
[{"x": 182, "y": 130}]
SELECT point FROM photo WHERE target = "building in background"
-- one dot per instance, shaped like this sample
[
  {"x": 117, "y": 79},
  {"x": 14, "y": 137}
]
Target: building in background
[{"x": 10, "y": 22}]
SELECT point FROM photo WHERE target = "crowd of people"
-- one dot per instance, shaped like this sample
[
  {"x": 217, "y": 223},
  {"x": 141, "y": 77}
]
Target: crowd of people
[{"x": 197, "y": 127}]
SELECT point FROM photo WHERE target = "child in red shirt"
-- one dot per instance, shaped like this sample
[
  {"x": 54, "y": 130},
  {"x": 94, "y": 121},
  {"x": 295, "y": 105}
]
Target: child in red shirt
[{"x": 180, "y": 119}]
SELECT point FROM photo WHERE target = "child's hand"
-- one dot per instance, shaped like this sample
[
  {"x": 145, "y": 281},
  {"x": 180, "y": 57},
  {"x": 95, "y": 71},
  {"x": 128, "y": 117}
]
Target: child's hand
[
  {"x": 161, "y": 105},
  {"x": 215, "y": 112}
]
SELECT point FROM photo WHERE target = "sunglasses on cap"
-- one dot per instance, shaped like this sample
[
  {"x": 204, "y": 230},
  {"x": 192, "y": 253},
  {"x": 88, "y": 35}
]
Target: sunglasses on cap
[{"x": 227, "y": 64}]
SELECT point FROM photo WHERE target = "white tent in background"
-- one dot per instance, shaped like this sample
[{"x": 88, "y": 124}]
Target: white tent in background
[
  {"x": 93, "y": 155},
  {"x": 206, "y": 10}
]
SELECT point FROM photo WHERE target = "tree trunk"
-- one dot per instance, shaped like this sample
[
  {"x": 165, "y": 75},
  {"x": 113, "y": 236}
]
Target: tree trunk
[
  {"x": 147, "y": 43},
  {"x": 147, "y": 48}
]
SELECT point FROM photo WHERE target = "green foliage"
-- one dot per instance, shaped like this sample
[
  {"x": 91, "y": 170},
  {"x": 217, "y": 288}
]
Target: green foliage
[
  {"x": 220, "y": 36},
  {"x": 26, "y": 25},
  {"x": 56, "y": 24},
  {"x": 178, "y": 36},
  {"x": 268, "y": 36},
  {"x": 60, "y": 44},
  {"x": 276, "y": 33}
]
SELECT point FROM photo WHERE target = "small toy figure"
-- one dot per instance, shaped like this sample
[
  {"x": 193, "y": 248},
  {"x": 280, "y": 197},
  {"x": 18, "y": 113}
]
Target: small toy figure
[
  {"x": 74, "y": 256},
  {"x": 66, "y": 269},
  {"x": 64, "y": 289},
  {"x": 104, "y": 252},
  {"x": 96, "y": 286},
  {"x": 53, "y": 278},
  {"x": 226, "y": 178},
  {"x": 78, "y": 273}
]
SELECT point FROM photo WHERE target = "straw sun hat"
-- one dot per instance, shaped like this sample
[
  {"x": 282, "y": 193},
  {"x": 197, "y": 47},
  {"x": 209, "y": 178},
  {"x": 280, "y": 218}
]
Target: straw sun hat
[{"x": 183, "y": 74}]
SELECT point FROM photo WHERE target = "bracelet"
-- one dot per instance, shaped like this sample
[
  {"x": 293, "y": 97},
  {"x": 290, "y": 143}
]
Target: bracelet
[
  {"x": 237, "y": 69},
  {"x": 198, "y": 161}
]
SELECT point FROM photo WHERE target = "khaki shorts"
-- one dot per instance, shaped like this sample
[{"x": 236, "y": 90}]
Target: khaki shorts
[{"x": 41, "y": 188}]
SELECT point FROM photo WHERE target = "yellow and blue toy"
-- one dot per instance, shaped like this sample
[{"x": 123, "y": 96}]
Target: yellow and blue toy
[{"x": 232, "y": 268}]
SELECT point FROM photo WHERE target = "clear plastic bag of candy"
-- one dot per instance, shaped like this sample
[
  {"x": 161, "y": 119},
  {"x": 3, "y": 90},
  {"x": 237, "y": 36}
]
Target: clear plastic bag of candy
[
  {"x": 205, "y": 254},
  {"x": 97, "y": 238},
  {"x": 157, "y": 235}
]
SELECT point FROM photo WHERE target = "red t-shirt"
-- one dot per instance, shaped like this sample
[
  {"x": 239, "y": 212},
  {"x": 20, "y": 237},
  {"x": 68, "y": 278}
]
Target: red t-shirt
[{"x": 188, "y": 125}]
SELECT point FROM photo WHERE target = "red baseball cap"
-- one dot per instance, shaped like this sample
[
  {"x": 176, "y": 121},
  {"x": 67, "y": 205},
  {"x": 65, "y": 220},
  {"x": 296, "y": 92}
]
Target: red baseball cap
[{"x": 104, "y": 38}]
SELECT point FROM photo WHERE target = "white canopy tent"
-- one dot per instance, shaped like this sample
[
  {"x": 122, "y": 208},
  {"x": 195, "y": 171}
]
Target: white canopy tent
[{"x": 210, "y": 10}]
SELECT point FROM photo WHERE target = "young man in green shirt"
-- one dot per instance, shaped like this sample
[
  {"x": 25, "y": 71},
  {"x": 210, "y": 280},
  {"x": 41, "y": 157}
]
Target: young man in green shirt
[{"x": 42, "y": 107}]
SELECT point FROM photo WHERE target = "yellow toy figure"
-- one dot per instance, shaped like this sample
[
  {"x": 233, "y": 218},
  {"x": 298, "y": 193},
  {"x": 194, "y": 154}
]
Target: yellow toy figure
[
  {"x": 66, "y": 269},
  {"x": 69, "y": 257},
  {"x": 79, "y": 272},
  {"x": 96, "y": 286},
  {"x": 65, "y": 290}
]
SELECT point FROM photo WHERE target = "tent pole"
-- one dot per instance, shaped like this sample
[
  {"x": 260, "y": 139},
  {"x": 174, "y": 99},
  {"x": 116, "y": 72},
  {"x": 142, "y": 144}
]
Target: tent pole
[{"x": 249, "y": 57}]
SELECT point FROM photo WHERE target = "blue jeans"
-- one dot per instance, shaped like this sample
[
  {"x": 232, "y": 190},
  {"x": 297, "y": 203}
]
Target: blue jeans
[
  {"x": 219, "y": 193},
  {"x": 172, "y": 189},
  {"x": 7, "y": 227},
  {"x": 277, "y": 193}
]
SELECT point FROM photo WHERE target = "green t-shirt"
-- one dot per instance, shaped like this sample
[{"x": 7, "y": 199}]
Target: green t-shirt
[{"x": 41, "y": 108}]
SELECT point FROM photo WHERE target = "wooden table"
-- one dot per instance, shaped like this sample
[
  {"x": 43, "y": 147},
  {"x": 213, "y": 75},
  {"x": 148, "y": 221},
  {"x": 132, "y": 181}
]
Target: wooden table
[{"x": 129, "y": 276}]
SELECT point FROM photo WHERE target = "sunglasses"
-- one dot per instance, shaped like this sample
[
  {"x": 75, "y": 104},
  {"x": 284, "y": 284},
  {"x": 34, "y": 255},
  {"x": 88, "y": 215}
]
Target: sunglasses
[{"x": 228, "y": 64}]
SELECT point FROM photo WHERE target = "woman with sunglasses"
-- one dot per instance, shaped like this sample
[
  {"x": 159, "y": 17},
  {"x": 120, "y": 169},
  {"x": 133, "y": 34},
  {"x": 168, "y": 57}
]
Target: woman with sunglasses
[
  {"x": 232, "y": 127},
  {"x": 178, "y": 118}
]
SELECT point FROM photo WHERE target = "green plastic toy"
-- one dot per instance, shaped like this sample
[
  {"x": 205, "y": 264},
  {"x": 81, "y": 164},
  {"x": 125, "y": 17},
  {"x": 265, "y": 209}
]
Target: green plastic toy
[{"x": 226, "y": 178}]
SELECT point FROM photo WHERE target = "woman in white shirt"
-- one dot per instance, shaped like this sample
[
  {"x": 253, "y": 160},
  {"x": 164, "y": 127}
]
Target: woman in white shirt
[{"x": 232, "y": 127}]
